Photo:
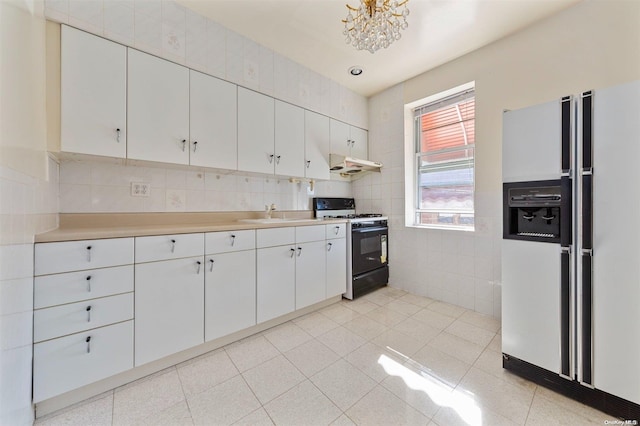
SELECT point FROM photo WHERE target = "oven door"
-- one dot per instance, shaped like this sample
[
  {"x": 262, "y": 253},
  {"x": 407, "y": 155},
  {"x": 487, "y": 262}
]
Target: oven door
[{"x": 369, "y": 249}]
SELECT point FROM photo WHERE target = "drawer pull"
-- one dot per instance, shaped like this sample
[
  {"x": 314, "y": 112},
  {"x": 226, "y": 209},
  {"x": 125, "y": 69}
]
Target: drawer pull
[
  {"x": 198, "y": 264},
  {"x": 89, "y": 283},
  {"x": 293, "y": 251},
  {"x": 337, "y": 230},
  {"x": 88, "y": 253},
  {"x": 211, "y": 262},
  {"x": 233, "y": 240},
  {"x": 173, "y": 246},
  {"x": 88, "y": 340},
  {"x": 329, "y": 245},
  {"x": 89, "y": 313}
]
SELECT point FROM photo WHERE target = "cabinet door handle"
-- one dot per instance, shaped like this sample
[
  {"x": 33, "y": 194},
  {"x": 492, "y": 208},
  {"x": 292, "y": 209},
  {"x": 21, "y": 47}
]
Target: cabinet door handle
[
  {"x": 89, "y": 283},
  {"x": 88, "y": 340},
  {"x": 337, "y": 230},
  {"x": 211, "y": 262},
  {"x": 271, "y": 158},
  {"x": 329, "y": 245},
  {"x": 308, "y": 163},
  {"x": 118, "y": 135},
  {"x": 278, "y": 159},
  {"x": 88, "y": 313},
  {"x": 233, "y": 240},
  {"x": 195, "y": 145},
  {"x": 293, "y": 251},
  {"x": 299, "y": 251},
  {"x": 198, "y": 264},
  {"x": 88, "y": 253},
  {"x": 184, "y": 144},
  {"x": 348, "y": 142},
  {"x": 173, "y": 246}
]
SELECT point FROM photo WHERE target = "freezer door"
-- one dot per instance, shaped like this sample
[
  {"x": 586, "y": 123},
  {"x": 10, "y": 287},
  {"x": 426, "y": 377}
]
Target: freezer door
[
  {"x": 531, "y": 292},
  {"x": 616, "y": 240},
  {"x": 531, "y": 145}
]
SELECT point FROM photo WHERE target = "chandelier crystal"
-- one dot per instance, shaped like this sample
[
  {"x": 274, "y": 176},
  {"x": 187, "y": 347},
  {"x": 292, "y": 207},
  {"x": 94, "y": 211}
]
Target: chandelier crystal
[{"x": 375, "y": 24}]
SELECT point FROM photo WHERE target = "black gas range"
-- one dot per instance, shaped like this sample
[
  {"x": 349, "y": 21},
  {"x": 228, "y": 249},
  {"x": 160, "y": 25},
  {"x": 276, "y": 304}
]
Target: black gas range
[{"x": 367, "y": 243}]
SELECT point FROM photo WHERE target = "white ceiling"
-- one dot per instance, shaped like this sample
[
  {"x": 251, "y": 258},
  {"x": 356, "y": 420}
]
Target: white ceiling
[{"x": 310, "y": 33}]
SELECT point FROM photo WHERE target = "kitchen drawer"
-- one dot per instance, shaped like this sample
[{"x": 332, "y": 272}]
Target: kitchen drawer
[
  {"x": 305, "y": 234},
  {"x": 51, "y": 258},
  {"x": 61, "y": 320},
  {"x": 165, "y": 247},
  {"x": 228, "y": 241},
  {"x": 275, "y": 237},
  {"x": 67, "y": 363},
  {"x": 57, "y": 289},
  {"x": 337, "y": 230}
]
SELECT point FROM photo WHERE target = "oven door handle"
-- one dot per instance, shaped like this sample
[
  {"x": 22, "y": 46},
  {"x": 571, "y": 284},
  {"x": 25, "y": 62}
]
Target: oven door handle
[{"x": 362, "y": 230}]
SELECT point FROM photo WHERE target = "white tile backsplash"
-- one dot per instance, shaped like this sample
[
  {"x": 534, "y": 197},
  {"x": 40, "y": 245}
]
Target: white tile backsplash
[{"x": 107, "y": 188}]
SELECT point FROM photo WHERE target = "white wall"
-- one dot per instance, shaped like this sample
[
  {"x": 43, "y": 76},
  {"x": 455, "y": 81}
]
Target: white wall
[
  {"x": 28, "y": 195},
  {"x": 589, "y": 46}
]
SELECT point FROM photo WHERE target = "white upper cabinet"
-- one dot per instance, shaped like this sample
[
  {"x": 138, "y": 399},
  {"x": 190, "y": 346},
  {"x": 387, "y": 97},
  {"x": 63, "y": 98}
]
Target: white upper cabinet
[
  {"x": 213, "y": 122},
  {"x": 289, "y": 143},
  {"x": 255, "y": 132},
  {"x": 348, "y": 140},
  {"x": 340, "y": 141},
  {"x": 157, "y": 109},
  {"x": 359, "y": 142},
  {"x": 317, "y": 140},
  {"x": 93, "y": 95}
]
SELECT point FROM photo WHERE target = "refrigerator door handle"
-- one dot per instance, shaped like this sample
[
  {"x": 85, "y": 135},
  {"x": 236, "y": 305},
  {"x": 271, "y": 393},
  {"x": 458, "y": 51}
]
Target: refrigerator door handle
[
  {"x": 566, "y": 315},
  {"x": 585, "y": 298}
]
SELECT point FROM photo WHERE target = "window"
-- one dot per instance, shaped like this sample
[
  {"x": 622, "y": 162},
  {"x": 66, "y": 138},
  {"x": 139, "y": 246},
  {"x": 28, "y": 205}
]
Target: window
[{"x": 444, "y": 141}]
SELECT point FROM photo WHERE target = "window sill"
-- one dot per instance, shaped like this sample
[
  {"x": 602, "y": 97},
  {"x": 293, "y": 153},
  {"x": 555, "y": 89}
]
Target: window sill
[{"x": 442, "y": 227}]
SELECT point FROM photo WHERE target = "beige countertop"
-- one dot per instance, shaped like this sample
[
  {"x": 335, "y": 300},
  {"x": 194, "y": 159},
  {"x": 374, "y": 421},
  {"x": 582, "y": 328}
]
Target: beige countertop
[{"x": 89, "y": 226}]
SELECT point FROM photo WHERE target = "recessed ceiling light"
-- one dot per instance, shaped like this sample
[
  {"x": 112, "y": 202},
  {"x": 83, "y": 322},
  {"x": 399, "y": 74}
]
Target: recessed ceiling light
[{"x": 355, "y": 70}]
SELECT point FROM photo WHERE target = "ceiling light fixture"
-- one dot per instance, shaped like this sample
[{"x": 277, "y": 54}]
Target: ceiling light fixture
[
  {"x": 355, "y": 70},
  {"x": 376, "y": 24}
]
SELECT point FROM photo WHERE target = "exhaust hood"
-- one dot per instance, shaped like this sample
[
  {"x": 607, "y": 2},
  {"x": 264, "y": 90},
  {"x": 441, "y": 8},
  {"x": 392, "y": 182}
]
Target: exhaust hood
[{"x": 348, "y": 166}]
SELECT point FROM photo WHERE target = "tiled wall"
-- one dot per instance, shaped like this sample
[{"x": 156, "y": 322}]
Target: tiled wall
[
  {"x": 171, "y": 31},
  {"x": 28, "y": 206},
  {"x": 458, "y": 267},
  {"x": 98, "y": 186}
]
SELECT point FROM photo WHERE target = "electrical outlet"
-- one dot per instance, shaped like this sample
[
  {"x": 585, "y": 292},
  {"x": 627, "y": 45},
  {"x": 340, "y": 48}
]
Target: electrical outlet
[{"x": 140, "y": 189}]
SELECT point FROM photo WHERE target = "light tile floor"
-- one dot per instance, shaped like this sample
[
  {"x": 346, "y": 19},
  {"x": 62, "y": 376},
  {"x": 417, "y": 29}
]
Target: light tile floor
[{"x": 389, "y": 358}]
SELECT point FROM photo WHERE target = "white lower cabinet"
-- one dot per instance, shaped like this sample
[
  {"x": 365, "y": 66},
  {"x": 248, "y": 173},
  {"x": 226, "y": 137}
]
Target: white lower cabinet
[
  {"x": 310, "y": 273},
  {"x": 230, "y": 293},
  {"x": 169, "y": 307},
  {"x": 69, "y": 362},
  {"x": 336, "y": 266},
  {"x": 182, "y": 290},
  {"x": 276, "y": 282}
]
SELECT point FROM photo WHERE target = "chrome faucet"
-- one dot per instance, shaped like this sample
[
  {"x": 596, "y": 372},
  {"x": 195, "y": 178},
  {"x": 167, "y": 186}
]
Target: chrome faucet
[{"x": 268, "y": 210}]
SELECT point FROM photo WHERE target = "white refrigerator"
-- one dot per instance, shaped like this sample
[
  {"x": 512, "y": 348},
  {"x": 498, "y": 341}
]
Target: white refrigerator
[{"x": 571, "y": 262}]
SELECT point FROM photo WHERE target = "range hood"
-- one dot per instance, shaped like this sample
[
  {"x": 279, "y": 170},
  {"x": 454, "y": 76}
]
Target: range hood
[{"x": 352, "y": 167}]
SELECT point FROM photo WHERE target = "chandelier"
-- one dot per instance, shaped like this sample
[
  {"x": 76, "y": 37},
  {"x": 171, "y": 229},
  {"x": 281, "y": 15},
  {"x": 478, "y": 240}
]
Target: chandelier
[{"x": 376, "y": 24}]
